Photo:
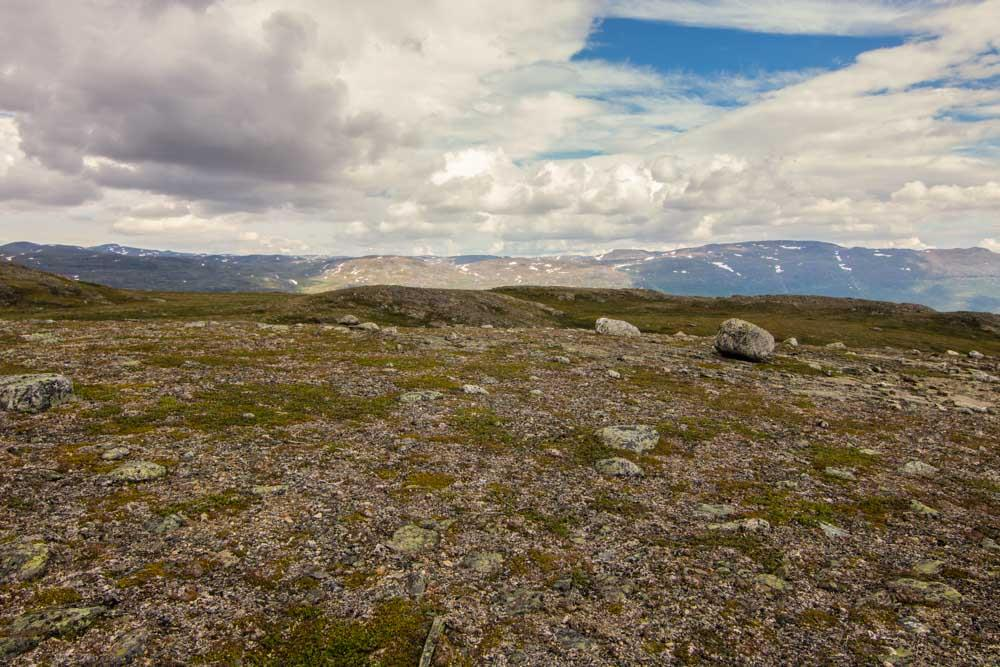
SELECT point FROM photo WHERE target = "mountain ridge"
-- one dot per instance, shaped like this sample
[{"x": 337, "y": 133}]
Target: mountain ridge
[{"x": 947, "y": 279}]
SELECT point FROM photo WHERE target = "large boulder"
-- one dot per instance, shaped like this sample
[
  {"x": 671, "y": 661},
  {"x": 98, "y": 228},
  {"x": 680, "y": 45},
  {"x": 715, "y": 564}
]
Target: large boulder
[
  {"x": 34, "y": 393},
  {"x": 742, "y": 340},
  {"x": 610, "y": 327}
]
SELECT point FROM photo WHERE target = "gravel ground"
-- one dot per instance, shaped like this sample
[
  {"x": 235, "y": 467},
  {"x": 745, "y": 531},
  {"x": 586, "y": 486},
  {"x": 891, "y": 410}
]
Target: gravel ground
[{"x": 306, "y": 506}]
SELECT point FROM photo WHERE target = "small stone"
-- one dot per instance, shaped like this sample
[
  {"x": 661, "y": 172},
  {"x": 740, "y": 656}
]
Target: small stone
[
  {"x": 614, "y": 375},
  {"x": 771, "y": 581},
  {"x": 227, "y": 558},
  {"x": 116, "y": 453},
  {"x": 367, "y": 326},
  {"x": 918, "y": 469},
  {"x": 273, "y": 490},
  {"x": 928, "y": 568},
  {"x": 348, "y": 321},
  {"x": 420, "y": 396},
  {"x": 138, "y": 471},
  {"x": 792, "y": 342},
  {"x": 898, "y": 656},
  {"x": 840, "y": 473},
  {"x": 833, "y": 532},
  {"x": 34, "y": 393},
  {"x": 914, "y": 591},
  {"x": 708, "y": 511},
  {"x": 744, "y": 525},
  {"x": 170, "y": 523},
  {"x": 24, "y": 561},
  {"x": 609, "y": 327},
  {"x": 522, "y": 601},
  {"x": 952, "y": 353},
  {"x": 618, "y": 467},
  {"x": 836, "y": 346},
  {"x": 922, "y": 509},
  {"x": 474, "y": 389},
  {"x": 560, "y": 359},
  {"x": 975, "y": 355},
  {"x": 126, "y": 650},
  {"x": 915, "y": 626},
  {"x": 412, "y": 539},
  {"x": 484, "y": 562},
  {"x": 535, "y": 392},
  {"x": 638, "y": 438}
]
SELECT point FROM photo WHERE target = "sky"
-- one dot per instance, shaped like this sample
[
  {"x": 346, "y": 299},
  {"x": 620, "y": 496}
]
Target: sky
[{"x": 520, "y": 128}]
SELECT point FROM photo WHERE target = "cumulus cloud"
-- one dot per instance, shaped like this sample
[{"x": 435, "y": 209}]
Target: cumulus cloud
[{"x": 456, "y": 126}]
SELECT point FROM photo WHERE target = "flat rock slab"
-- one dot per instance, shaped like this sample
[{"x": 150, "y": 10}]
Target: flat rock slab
[
  {"x": 420, "y": 396},
  {"x": 27, "y": 631},
  {"x": 138, "y": 471},
  {"x": 915, "y": 591},
  {"x": 618, "y": 467},
  {"x": 34, "y": 393},
  {"x": 412, "y": 539},
  {"x": 638, "y": 438}
]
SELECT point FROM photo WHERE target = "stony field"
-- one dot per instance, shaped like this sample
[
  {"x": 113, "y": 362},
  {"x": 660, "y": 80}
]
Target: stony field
[{"x": 240, "y": 493}]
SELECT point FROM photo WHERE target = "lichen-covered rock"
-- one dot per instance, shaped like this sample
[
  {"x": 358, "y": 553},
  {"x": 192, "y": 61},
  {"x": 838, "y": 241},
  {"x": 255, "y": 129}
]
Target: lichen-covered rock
[
  {"x": 618, "y": 467},
  {"x": 138, "y": 471},
  {"x": 484, "y": 562},
  {"x": 610, "y": 327},
  {"x": 743, "y": 525},
  {"x": 918, "y": 469},
  {"x": 24, "y": 560},
  {"x": 420, "y": 396},
  {"x": 412, "y": 539},
  {"x": 34, "y": 393},
  {"x": 26, "y": 631},
  {"x": 740, "y": 339},
  {"x": 915, "y": 591},
  {"x": 636, "y": 438}
]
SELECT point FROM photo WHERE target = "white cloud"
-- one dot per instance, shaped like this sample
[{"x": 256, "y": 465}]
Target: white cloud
[
  {"x": 381, "y": 127},
  {"x": 843, "y": 17}
]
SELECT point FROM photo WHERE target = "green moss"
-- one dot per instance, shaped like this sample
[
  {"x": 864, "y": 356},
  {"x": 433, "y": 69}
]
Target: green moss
[
  {"x": 816, "y": 618},
  {"x": 227, "y": 503},
  {"x": 827, "y": 456},
  {"x": 392, "y": 637},
  {"x": 399, "y": 362},
  {"x": 751, "y": 546},
  {"x": 560, "y": 525},
  {"x": 481, "y": 427},
  {"x": 232, "y": 405},
  {"x": 53, "y": 597},
  {"x": 616, "y": 503},
  {"x": 97, "y": 392},
  {"x": 434, "y": 481},
  {"x": 144, "y": 575},
  {"x": 428, "y": 381}
]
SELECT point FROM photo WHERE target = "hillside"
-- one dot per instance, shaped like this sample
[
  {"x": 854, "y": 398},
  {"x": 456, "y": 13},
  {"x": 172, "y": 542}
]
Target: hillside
[
  {"x": 27, "y": 288},
  {"x": 948, "y": 280}
]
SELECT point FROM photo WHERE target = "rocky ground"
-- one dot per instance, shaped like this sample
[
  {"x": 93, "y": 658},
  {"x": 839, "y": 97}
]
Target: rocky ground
[{"x": 238, "y": 493}]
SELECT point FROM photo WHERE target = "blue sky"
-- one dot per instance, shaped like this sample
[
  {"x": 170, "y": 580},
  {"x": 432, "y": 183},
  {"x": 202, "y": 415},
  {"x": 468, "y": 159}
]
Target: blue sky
[{"x": 671, "y": 47}]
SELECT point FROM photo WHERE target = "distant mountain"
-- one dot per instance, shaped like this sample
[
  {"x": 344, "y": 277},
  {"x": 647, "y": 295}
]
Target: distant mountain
[{"x": 960, "y": 279}]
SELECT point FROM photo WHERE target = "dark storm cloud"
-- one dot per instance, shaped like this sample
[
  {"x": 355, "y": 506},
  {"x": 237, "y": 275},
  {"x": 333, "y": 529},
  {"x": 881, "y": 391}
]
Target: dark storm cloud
[{"x": 179, "y": 105}]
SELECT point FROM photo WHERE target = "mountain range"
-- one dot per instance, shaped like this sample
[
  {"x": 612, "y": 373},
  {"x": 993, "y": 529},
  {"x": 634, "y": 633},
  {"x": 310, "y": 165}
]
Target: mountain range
[{"x": 957, "y": 279}]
